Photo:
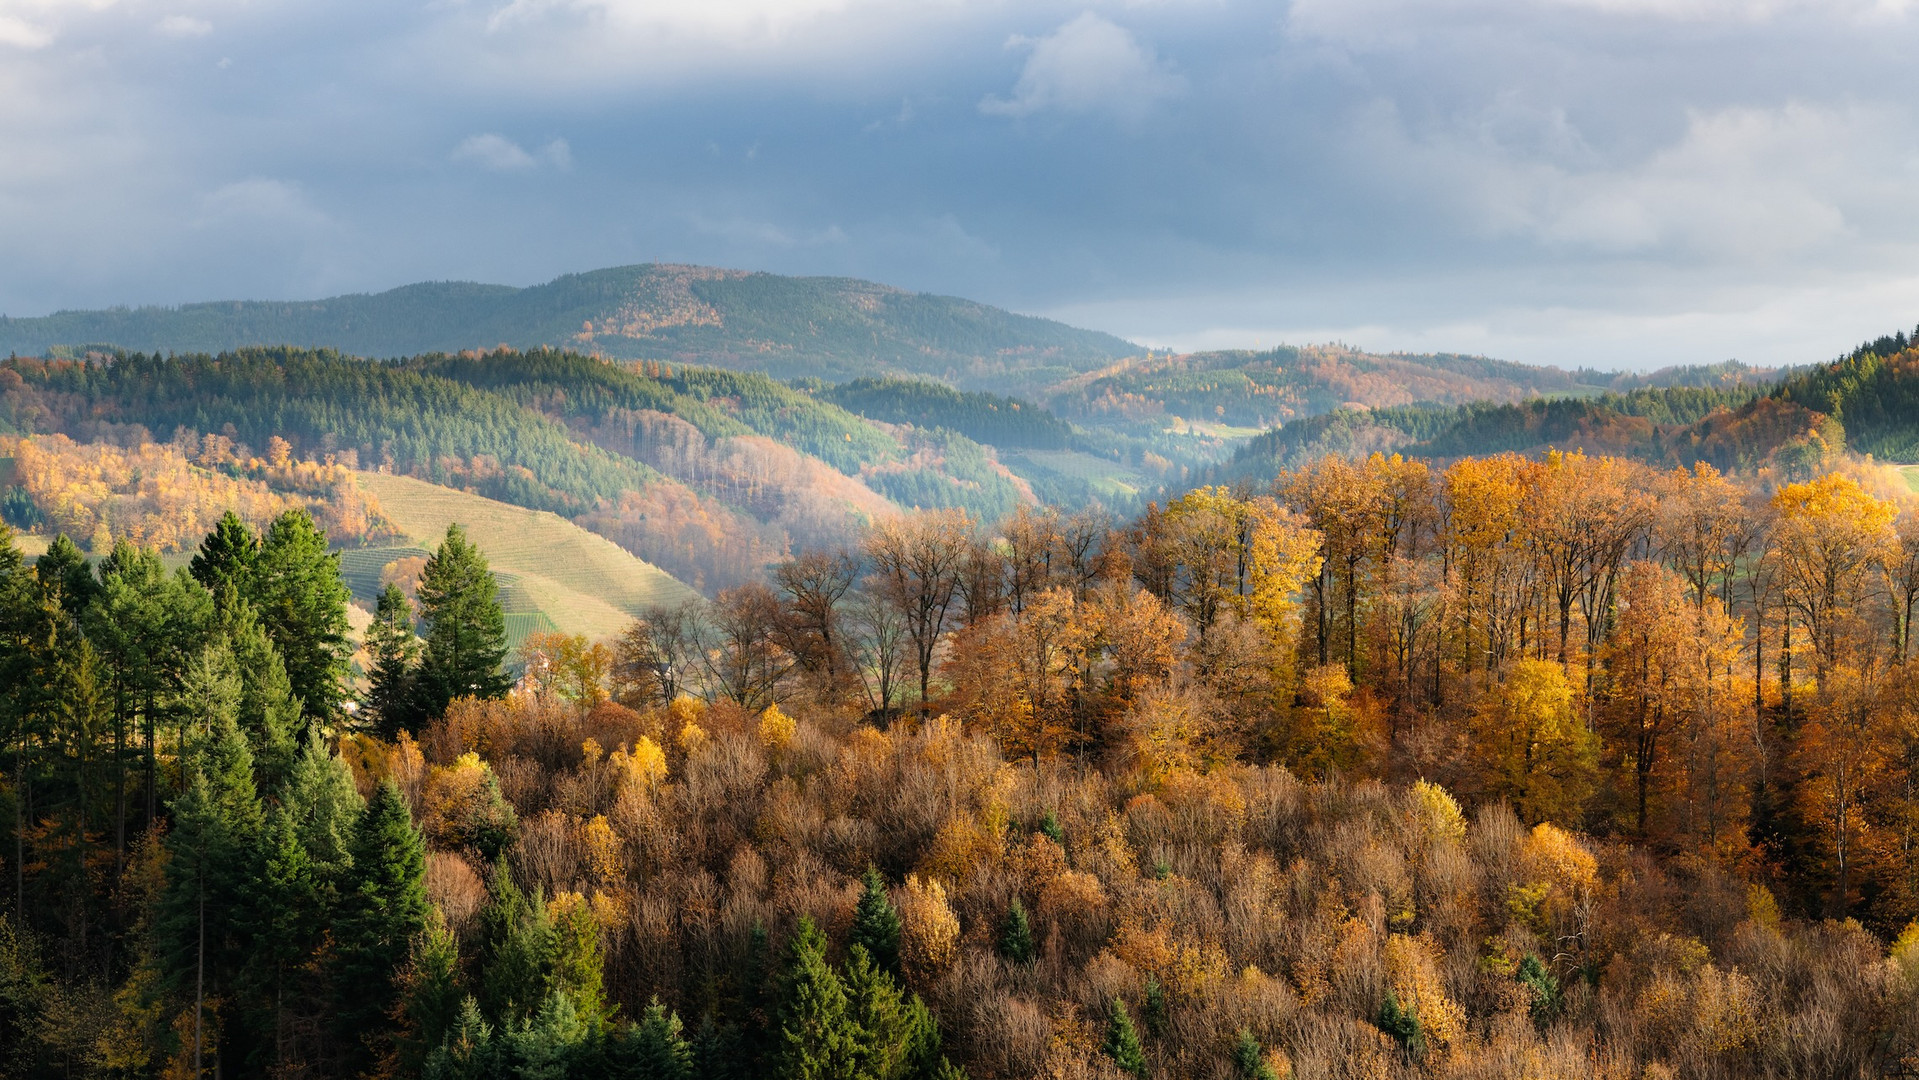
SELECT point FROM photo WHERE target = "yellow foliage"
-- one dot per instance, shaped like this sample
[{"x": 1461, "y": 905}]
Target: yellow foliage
[
  {"x": 1412, "y": 968},
  {"x": 644, "y": 765},
  {"x": 776, "y": 728},
  {"x": 601, "y": 853},
  {"x": 1436, "y": 812},
  {"x": 1761, "y": 908},
  {"x": 929, "y": 929},
  {"x": 691, "y": 738}
]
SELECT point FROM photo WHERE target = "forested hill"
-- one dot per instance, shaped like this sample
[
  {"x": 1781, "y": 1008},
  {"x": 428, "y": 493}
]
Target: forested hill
[
  {"x": 1866, "y": 402},
  {"x": 834, "y": 328}
]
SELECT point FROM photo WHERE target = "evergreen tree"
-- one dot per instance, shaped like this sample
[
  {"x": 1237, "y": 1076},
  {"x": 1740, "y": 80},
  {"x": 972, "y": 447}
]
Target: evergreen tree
[
  {"x": 876, "y": 924},
  {"x": 1402, "y": 1024},
  {"x": 816, "y": 1037},
  {"x": 655, "y": 1048},
  {"x": 1544, "y": 986},
  {"x": 284, "y": 920},
  {"x": 227, "y": 556},
  {"x": 430, "y": 994},
  {"x": 383, "y": 909},
  {"x": 469, "y": 1051},
  {"x": 1122, "y": 1041},
  {"x": 884, "y": 1028},
  {"x": 65, "y": 575},
  {"x": 269, "y": 712},
  {"x": 577, "y": 968},
  {"x": 720, "y": 1053},
  {"x": 1016, "y": 935},
  {"x": 552, "y": 1043},
  {"x": 1249, "y": 1062},
  {"x": 324, "y": 806},
  {"x": 394, "y": 650},
  {"x": 297, "y": 588},
  {"x": 1153, "y": 1010},
  {"x": 517, "y": 954},
  {"x": 466, "y": 631}
]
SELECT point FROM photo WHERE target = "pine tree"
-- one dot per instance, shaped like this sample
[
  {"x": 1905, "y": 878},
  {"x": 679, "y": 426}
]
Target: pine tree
[
  {"x": 466, "y": 631},
  {"x": 815, "y": 1037},
  {"x": 323, "y": 804},
  {"x": 395, "y": 651},
  {"x": 1249, "y": 1062},
  {"x": 65, "y": 575},
  {"x": 577, "y": 968},
  {"x": 884, "y": 1028},
  {"x": 227, "y": 556},
  {"x": 469, "y": 1052},
  {"x": 876, "y": 924},
  {"x": 269, "y": 712},
  {"x": 1402, "y": 1024},
  {"x": 1122, "y": 1041},
  {"x": 1016, "y": 935},
  {"x": 430, "y": 994},
  {"x": 297, "y": 588},
  {"x": 1153, "y": 1010},
  {"x": 655, "y": 1048},
  {"x": 519, "y": 946},
  {"x": 383, "y": 909},
  {"x": 1544, "y": 986}
]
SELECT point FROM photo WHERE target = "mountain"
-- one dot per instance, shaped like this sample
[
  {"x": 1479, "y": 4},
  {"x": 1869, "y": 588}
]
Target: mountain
[{"x": 831, "y": 328}]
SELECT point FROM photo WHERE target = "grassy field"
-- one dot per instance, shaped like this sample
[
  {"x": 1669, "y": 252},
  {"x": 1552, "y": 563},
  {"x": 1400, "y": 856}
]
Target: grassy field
[
  {"x": 552, "y": 573},
  {"x": 1911, "y": 473},
  {"x": 1109, "y": 478}
]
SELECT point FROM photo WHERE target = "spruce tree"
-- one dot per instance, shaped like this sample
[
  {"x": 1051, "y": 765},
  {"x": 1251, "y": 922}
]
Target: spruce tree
[
  {"x": 876, "y": 924},
  {"x": 226, "y": 556},
  {"x": 884, "y": 1029},
  {"x": 1153, "y": 1010},
  {"x": 1016, "y": 935},
  {"x": 65, "y": 576},
  {"x": 430, "y": 994},
  {"x": 815, "y": 1036},
  {"x": 1122, "y": 1041},
  {"x": 1402, "y": 1024},
  {"x": 383, "y": 909},
  {"x": 466, "y": 631},
  {"x": 269, "y": 712},
  {"x": 302, "y": 601},
  {"x": 323, "y": 804},
  {"x": 395, "y": 651},
  {"x": 1249, "y": 1061},
  {"x": 656, "y": 1048}
]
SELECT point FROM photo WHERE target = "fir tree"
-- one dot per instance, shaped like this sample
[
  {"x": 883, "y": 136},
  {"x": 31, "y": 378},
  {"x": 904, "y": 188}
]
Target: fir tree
[
  {"x": 297, "y": 588},
  {"x": 227, "y": 556},
  {"x": 430, "y": 994},
  {"x": 382, "y": 910},
  {"x": 655, "y": 1048},
  {"x": 469, "y": 1051},
  {"x": 1122, "y": 1041},
  {"x": 324, "y": 806},
  {"x": 1249, "y": 1062},
  {"x": 518, "y": 949},
  {"x": 65, "y": 575},
  {"x": 884, "y": 1028},
  {"x": 815, "y": 1038},
  {"x": 876, "y": 924},
  {"x": 395, "y": 651},
  {"x": 1544, "y": 986},
  {"x": 1402, "y": 1024},
  {"x": 466, "y": 631},
  {"x": 1016, "y": 935},
  {"x": 1153, "y": 1010},
  {"x": 269, "y": 712}
]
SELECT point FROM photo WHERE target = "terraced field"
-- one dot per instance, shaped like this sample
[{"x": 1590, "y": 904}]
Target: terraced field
[
  {"x": 552, "y": 573},
  {"x": 1109, "y": 479}
]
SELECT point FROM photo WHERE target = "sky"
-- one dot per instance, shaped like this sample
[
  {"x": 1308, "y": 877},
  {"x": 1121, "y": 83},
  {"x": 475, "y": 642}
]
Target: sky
[{"x": 1615, "y": 183}]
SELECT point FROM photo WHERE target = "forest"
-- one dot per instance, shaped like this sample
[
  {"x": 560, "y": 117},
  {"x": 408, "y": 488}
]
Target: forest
[{"x": 1562, "y": 765}]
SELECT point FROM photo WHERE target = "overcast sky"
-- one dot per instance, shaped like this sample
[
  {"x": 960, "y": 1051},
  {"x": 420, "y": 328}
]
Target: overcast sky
[{"x": 1623, "y": 183}]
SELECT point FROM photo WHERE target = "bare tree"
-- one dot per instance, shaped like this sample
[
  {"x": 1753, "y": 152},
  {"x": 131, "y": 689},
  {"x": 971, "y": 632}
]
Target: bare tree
[
  {"x": 918, "y": 562},
  {"x": 656, "y": 654},
  {"x": 814, "y": 588},
  {"x": 740, "y": 650}
]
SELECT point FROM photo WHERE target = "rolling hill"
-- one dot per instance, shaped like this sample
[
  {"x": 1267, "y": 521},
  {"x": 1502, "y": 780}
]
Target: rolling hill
[
  {"x": 549, "y": 568},
  {"x": 833, "y": 328}
]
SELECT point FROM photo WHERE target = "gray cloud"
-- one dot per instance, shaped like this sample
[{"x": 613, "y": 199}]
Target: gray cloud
[{"x": 1583, "y": 181}]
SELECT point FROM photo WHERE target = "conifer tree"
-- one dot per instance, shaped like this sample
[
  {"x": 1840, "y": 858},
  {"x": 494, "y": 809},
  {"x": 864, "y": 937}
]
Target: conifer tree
[
  {"x": 269, "y": 712},
  {"x": 885, "y": 1029},
  {"x": 1122, "y": 1041},
  {"x": 1249, "y": 1062},
  {"x": 876, "y": 924},
  {"x": 382, "y": 910},
  {"x": 395, "y": 651},
  {"x": 227, "y": 556},
  {"x": 320, "y": 799},
  {"x": 65, "y": 574},
  {"x": 430, "y": 994},
  {"x": 466, "y": 631},
  {"x": 1402, "y": 1024},
  {"x": 815, "y": 1038},
  {"x": 1153, "y": 1009},
  {"x": 302, "y": 601},
  {"x": 655, "y": 1048},
  {"x": 1016, "y": 935}
]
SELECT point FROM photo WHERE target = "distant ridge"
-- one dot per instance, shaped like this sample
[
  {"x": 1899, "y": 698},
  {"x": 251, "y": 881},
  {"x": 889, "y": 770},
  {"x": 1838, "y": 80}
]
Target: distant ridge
[{"x": 832, "y": 328}]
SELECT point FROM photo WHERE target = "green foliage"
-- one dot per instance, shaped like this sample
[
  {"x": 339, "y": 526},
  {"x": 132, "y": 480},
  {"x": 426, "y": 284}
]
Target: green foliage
[
  {"x": 982, "y": 417},
  {"x": 394, "y": 650},
  {"x": 1049, "y": 825},
  {"x": 1544, "y": 985},
  {"x": 384, "y": 907},
  {"x": 1122, "y": 1040},
  {"x": 1402, "y": 1024},
  {"x": 655, "y": 1048},
  {"x": 466, "y": 631},
  {"x": 1153, "y": 1010},
  {"x": 1249, "y": 1061},
  {"x": 227, "y": 556},
  {"x": 1016, "y": 935},
  {"x": 876, "y": 924},
  {"x": 816, "y": 1035},
  {"x": 431, "y": 1001},
  {"x": 302, "y": 601}
]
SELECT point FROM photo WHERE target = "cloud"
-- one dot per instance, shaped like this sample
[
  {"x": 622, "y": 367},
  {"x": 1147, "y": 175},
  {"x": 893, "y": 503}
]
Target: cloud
[
  {"x": 184, "y": 26},
  {"x": 23, "y": 34},
  {"x": 1087, "y": 65},
  {"x": 501, "y": 154}
]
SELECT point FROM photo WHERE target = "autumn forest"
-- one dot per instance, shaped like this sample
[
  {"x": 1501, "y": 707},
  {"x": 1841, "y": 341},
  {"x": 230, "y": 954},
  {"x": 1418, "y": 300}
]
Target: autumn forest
[{"x": 1555, "y": 764}]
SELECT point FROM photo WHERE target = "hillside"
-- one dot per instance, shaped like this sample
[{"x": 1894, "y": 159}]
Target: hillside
[
  {"x": 834, "y": 328},
  {"x": 547, "y": 566}
]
